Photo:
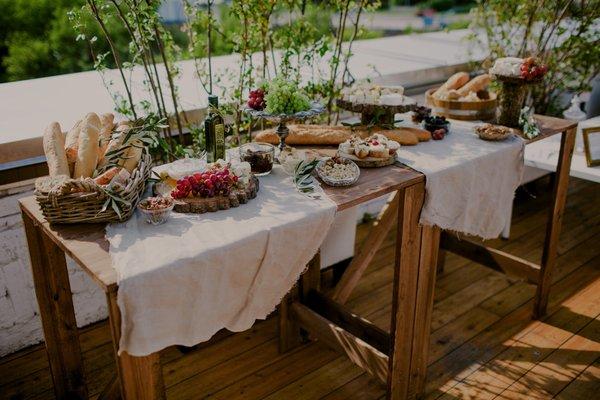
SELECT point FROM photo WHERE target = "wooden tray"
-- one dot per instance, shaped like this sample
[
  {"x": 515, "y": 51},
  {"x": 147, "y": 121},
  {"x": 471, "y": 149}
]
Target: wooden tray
[
  {"x": 483, "y": 110},
  {"x": 370, "y": 162},
  {"x": 202, "y": 205}
]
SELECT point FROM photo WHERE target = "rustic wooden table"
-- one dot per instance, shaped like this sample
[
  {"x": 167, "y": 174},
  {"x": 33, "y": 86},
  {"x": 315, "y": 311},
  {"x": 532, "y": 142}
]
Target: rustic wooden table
[{"x": 398, "y": 358}]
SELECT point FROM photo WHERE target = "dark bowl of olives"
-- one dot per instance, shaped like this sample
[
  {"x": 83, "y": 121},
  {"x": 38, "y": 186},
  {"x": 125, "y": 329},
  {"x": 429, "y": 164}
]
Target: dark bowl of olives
[{"x": 434, "y": 123}]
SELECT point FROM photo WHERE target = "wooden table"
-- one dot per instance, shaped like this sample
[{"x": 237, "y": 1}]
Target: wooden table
[
  {"x": 398, "y": 358},
  {"x": 141, "y": 377}
]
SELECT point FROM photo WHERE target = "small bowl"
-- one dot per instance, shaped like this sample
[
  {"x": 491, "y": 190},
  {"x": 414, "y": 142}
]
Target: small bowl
[
  {"x": 259, "y": 155},
  {"x": 338, "y": 182},
  {"x": 434, "y": 126},
  {"x": 156, "y": 216}
]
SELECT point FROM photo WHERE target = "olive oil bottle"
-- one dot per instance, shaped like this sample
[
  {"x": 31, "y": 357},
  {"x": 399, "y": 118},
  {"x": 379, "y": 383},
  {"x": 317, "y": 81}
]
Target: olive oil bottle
[{"x": 214, "y": 131}]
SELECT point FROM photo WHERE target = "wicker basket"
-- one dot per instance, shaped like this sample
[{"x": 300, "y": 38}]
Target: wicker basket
[
  {"x": 61, "y": 206},
  {"x": 484, "y": 110}
]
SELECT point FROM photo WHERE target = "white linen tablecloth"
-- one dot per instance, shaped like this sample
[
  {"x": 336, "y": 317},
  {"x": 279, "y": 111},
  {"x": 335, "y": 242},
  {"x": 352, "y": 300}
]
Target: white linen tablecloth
[
  {"x": 470, "y": 183},
  {"x": 181, "y": 282}
]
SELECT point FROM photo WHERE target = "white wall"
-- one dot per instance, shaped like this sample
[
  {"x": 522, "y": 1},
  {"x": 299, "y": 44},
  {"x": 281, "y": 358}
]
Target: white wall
[{"x": 20, "y": 325}]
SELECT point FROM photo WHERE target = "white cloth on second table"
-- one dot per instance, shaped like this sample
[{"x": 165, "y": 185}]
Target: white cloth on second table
[
  {"x": 181, "y": 282},
  {"x": 470, "y": 183}
]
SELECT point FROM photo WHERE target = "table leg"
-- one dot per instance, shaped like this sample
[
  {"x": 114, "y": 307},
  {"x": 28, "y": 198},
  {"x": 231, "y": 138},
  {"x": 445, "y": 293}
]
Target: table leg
[
  {"x": 53, "y": 292},
  {"x": 404, "y": 300},
  {"x": 140, "y": 377},
  {"x": 559, "y": 196},
  {"x": 290, "y": 334}
]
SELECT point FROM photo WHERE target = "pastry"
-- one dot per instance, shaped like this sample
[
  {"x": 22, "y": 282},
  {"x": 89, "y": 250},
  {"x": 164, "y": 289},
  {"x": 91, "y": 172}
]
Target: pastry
[
  {"x": 392, "y": 146},
  {"x": 474, "y": 85},
  {"x": 87, "y": 147},
  {"x": 404, "y": 136},
  {"x": 454, "y": 82},
  {"x": 107, "y": 126},
  {"x": 361, "y": 150},
  {"x": 54, "y": 149},
  {"x": 72, "y": 141}
]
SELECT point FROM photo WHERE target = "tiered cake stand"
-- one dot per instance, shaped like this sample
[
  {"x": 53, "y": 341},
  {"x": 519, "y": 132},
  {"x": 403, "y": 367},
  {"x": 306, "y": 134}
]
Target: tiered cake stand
[{"x": 377, "y": 114}]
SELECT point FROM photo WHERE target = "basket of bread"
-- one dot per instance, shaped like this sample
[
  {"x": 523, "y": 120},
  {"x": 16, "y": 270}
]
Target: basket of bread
[
  {"x": 97, "y": 170},
  {"x": 463, "y": 98}
]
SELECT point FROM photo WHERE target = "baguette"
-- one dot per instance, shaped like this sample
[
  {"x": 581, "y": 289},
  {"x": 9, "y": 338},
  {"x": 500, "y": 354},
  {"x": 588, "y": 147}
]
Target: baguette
[
  {"x": 474, "y": 85},
  {"x": 72, "y": 141},
  {"x": 115, "y": 143},
  {"x": 54, "y": 149},
  {"x": 132, "y": 156},
  {"x": 454, "y": 82},
  {"x": 87, "y": 150},
  {"x": 309, "y": 135},
  {"x": 404, "y": 136},
  {"x": 107, "y": 126},
  {"x": 106, "y": 177}
]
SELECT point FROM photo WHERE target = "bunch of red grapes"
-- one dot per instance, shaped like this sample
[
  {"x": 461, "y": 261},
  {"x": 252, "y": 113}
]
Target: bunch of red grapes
[
  {"x": 531, "y": 70},
  {"x": 256, "y": 101},
  {"x": 214, "y": 182}
]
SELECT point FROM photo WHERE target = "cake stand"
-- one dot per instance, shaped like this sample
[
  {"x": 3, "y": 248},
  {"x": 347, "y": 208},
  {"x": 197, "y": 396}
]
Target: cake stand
[
  {"x": 282, "y": 119},
  {"x": 378, "y": 114},
  {"x": 512, "y": 97}
]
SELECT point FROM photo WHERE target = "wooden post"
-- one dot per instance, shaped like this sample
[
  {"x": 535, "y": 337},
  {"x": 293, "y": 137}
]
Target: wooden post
[
  {"x": 140, "y": 377},
  {"x": 290, "y": 334},
  {"x": 355, "y": 270},
  {"x": 53, "y": 292},
  {"x": 430, "y": 243},
  {"x": 559, "y": 196},
  {"x": 404, "y": 300}
]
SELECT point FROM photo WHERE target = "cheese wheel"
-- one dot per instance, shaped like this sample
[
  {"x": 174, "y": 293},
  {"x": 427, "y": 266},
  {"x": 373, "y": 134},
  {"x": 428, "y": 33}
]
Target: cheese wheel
[
  {"x": 54, "y": 149},
  {"x": 72, "y": 142},
  {"x": 107, "y": 126},
  {"x": 87, "y": 150}
]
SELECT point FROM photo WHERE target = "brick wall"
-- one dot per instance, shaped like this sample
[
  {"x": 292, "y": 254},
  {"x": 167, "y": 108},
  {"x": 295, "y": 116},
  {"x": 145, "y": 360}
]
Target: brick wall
[{"x": 20, "y": 324}]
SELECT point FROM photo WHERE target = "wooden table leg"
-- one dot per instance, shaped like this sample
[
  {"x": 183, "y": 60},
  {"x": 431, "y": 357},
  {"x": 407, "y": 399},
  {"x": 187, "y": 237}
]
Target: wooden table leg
[
  {"x": 140, "y": 377},
  {"x": 290, "y": 334},
  {"x": 559, "y": 196},
  {"x": 404, "y": 300},
  {"x": 53, "y": 292}
]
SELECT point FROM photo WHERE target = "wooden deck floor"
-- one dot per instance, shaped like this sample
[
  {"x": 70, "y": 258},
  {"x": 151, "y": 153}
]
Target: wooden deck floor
[{"x": 484, "y": 344}]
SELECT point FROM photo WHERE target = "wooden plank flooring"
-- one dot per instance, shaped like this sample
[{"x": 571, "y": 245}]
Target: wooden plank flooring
[{"x": 484, "y": 344}]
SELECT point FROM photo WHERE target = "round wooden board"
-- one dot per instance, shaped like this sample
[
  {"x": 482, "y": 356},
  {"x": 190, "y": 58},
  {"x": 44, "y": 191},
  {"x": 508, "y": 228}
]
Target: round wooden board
[
  {"x": 197, "y": 205},
  {"x": 370, "y": 162}
]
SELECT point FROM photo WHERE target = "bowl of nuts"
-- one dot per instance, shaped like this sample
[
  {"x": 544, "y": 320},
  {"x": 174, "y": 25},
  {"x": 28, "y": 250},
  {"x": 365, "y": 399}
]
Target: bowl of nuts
[
  {"x": 338, "y": 171},
  {"x": 156, "y": 210}
]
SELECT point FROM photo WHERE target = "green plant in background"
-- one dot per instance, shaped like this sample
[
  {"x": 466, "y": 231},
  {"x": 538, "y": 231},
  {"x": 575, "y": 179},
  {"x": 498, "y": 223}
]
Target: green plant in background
[{"x": 563, "y": 34}]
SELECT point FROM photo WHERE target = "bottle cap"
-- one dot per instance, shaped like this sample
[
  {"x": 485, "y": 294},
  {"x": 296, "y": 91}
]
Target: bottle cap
[{"x": 213, "y": 100}]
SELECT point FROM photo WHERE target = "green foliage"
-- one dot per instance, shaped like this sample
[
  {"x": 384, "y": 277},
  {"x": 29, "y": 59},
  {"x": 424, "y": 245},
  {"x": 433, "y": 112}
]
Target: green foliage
[{"x": 563, "y": 34}]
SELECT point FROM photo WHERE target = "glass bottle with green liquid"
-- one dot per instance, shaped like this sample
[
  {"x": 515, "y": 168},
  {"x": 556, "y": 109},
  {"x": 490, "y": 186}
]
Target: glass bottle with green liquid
[{"x": 214, "y": 131}]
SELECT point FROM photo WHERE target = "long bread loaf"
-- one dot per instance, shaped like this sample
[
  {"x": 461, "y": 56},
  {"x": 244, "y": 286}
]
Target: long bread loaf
[
  {"x": 87, "y": 151},
  {"x": 54, "y": 149},
  {"x": 454, "y": 82}
]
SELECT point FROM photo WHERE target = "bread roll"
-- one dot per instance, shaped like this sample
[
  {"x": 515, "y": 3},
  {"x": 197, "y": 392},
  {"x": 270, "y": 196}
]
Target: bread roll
[
  {"x": 72, "y": 141},
  {"x": 87, "y": 150},
  {"x": 404, "y": 136},
  {"x": 107, "y": 126},
  {"x": 54, "y": 148},
  {"x": 475, "y": 85},
  {"x": 132, "y": 156},
  {"x": 454, "y": 82}
]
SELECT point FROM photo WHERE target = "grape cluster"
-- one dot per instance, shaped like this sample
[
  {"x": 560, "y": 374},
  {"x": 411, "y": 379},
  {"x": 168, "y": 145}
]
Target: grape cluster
[
  {"x": 532, "y": 70},
  {"x": 285, "y": 97},
  {"x": 214, "y": 182},
  {"x": 257, "y": 99}
]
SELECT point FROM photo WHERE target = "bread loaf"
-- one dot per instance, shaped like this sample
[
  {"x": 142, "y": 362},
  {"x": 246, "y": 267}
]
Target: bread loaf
[
  {"x": 107, "y": 126},
  {"x": 87, "y": 150},
  {"x": 309, "y": 135},
  {"x": 404, "y": 136},
  {"x": 475, "y": 85},
  {"x": 54, "y": 149},
  {"x": 454, "y": 82},
  {"x": 106, "y": 177},
  {"x": 132, "y": 156},
  {"x": 72, "y": 141},
  {"x": 115, "y": 143}
]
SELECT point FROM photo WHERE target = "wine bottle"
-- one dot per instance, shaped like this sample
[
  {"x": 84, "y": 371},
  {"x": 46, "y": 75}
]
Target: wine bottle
[{"x": 214, "y": 131}]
